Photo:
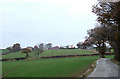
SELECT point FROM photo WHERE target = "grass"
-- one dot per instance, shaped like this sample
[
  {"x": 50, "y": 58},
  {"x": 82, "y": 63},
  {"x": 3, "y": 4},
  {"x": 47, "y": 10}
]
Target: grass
[
  {"x": 4, "y": 51},
  {"x": 56, "y": 52},
  {"x": 116, "y": 62},
  {"x": 0, "y": 68},
  {"x": 59, "y": 67},
  {"x": 91, "y": 69},
  {"x": 109, "y": 56},
  {"x": 13, "y": 55},
  {"x": 0, "y": 54}
]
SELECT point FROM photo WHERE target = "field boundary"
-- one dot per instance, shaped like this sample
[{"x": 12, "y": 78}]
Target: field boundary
[{"x": 63, "y": 56}]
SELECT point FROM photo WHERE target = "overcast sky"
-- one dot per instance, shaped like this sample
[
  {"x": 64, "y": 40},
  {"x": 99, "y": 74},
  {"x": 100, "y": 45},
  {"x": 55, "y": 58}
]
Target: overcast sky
[{"x": 60, "y": 22}]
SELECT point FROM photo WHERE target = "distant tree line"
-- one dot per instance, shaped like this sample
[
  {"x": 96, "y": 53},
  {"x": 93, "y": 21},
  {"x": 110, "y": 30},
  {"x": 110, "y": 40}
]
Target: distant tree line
[
  {"x": 14, "y": 48},
  {"x": 83, "y": 45}
]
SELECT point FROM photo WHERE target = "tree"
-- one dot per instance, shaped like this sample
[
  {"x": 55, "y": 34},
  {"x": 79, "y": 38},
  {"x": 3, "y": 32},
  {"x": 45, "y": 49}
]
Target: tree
[
  {"x": 26, "y": 51},
  {"x": 86, "y": 45},
  {"x": 83, "y": 45},
  {"x": 97, "y": 36},
  {"x": 67, "y": 46},
  {"x": 16, "y": 47},
  {"x": 79, "y": 44},
  {"x": 39, "y": 49},
  {"x": 49, "y": 45},
  {"x": 9, "y": 48},
  {"x": 109, "y": 15}
]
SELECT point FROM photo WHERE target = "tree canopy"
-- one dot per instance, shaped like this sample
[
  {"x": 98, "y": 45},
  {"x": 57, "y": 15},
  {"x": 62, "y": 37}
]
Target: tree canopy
[{"x": 108, "y": 16}]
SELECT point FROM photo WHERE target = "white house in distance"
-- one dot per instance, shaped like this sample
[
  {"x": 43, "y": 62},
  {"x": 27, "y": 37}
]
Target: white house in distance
[{"x": 55, "y": 47}]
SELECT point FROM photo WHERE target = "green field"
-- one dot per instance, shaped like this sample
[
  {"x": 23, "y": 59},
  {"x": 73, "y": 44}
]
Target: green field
[
  {"x": 58, "y": 67},
  {"x": 0, "y": 68},
  {"x": 56, "y": 52},
  {"x": 4, "y": 51},
  {"x": 55, "y": 67}
]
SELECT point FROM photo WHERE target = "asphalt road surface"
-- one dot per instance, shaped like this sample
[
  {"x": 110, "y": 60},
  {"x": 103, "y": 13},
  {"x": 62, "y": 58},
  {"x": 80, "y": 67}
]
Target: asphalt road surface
[{"x": 105, "y": 69}]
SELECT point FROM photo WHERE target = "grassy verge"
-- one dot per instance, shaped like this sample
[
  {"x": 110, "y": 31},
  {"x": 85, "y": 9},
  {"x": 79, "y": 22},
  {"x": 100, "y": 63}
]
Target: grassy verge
[
  {"x": 116, "y": 62},
  {"x": 109, "y": 56},
  {"x": 89, "y": 70},
  {"x": 112, "y": 59}
]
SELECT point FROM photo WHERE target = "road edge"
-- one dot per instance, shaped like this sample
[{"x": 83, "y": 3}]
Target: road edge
[{"x": 90, "y": 69}]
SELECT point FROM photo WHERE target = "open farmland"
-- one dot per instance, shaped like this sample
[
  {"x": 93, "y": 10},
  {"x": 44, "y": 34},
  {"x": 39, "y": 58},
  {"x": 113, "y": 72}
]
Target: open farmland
[
  {"x": 46, "y": 53},
  {"x": 59, "y": 67},
  {"x": 4, "y": 51}
]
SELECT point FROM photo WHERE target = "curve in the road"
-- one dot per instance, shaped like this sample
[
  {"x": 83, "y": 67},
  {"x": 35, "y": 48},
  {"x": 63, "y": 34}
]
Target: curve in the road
[{"x": 105, "y": 68}]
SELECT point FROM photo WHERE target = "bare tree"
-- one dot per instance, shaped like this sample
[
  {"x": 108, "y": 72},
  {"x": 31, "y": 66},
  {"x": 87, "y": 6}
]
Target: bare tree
[{"x": 39, "y": 49}]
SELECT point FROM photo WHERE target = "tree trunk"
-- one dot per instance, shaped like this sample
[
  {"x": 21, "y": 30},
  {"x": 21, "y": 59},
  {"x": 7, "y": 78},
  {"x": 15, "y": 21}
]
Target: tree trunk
[
  {"x": 117, "y": 54},
  {"x": 117, "y": 51},
  {"x": 103, "y": 50},
  {"x": 117, "y": 47},
  {"x": 26, "y": 55},
  {"x": 99, "y": 49}
]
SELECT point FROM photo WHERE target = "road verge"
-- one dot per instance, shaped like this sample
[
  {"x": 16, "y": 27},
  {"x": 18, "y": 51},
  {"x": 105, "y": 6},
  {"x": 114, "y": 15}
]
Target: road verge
[{"x": 89, "y": 70}]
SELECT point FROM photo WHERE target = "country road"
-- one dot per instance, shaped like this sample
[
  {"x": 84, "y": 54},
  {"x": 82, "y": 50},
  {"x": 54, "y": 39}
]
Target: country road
[{"x": 105, "y": 68}]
